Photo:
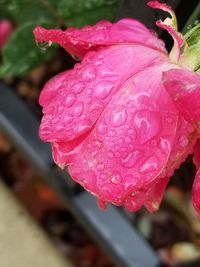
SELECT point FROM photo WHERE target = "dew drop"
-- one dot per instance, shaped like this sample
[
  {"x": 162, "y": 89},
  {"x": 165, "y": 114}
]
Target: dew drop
[
  {"x": 89, "y": 100},
  {"x": 132, "y": 159},
  {"x": 183, "y": 141},
  {"x": 60, "y": 127},
  {"x": 103, "y": 89},
  {"x": 164, "y": 145},
  {"x": 78, "y": 109},
  {"x": 110, "y": 155},
  {"x": 76, "y": 58},
  {"x": 100, "y": 166},
  {"x": 128, "y": 140},
  {"x": 82, "y": 126},
  {"x": 111, "y": 133},
  {"x": 117, "y": 154},
  {"x": 78, "y": 88},
  {"x": 68, "y": 118},
  {"x": 89, "y": 73},
  {"x": 118, "y": 117},
  {"x": 150, "y": 165},
  {"x": 133, "y": 194},
  {"x": 148, "y": 124},
  {"x": 101, "y": 128},
  {"x": 70, "y": 100},
  {"x": 103, "y": 176},
  {"x": 116, "y": 178},
  {"x": 44, "y": 45}
]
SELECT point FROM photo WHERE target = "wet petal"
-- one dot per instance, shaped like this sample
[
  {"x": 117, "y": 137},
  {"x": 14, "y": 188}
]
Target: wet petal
[
  {"x": 184, "y": 88},
  {"x": 131, "y": 141},
  {"x": 73, "y": 100},
  {"x": 79, "y": 41},
  {"x": 170, "y": 25},
  {"x": 196, "y": 192},
  {"x": 183, "y": 145},
  {"x": 154, "y": 195}
]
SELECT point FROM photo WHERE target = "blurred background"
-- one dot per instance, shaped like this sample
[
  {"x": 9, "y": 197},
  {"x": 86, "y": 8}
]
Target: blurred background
[{"x": 45, "y": 219}]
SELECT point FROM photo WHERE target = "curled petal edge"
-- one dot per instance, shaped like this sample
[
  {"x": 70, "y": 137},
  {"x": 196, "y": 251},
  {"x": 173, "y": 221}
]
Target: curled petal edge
[{"x": 170, "y": 25}]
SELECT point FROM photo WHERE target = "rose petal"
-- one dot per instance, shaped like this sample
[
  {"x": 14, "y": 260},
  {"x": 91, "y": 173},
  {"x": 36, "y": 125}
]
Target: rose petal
[
  {"x": 73, "y": 100},
  {"x": 79, "y": 41},
  {"x": 6, "y": 29},
  {"x": 170, "y": 25},
  {"x": 154, "y": 195},
  {"x": 127, "y": 149},
  {"x": 183, "y": 145},
  {"x": 184, "y": 88}
]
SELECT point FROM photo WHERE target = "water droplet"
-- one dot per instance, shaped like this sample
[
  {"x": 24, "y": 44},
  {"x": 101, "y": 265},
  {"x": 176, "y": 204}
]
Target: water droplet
[
  {"x": 183, "y": 141},
  {"x": 118, "y": 117},
  {"x": 116, "y": 178},
  {"x": 128, "y": 139},
  {"x": 68, "y": 118},
  {"x": 132, "y": 159},
  {"x": 132, "y": 133},
  {"x": 164, "y": 145},
  {"x": 121, "y": 141},
  {"x": 117, "y": 154},
  {"x": 110, "y": 155},
  {"x": 60, "y": 108},
  {"x": 44, "y": 45},
  {"x": 169, "y": 120},
  {"x": 103, "y": 89},
  {"x": 111, "y": 133},
  {"x": 133, "y": 194},
  {"x": 78, "y": 109},
  {"x": 103, "y": 176},
  {"x": 45, "y": 130},
  {"x": 129, "y": 180},
  {"x": 82, "y": 126},
  {"x": 78, "y": 88},
  {"x": 70, "y": 100},
  {"x": 148, "y": 124},
  {"x": 60, "y": 127},
  {"x": 89, "y": 100},
  {"x": 100, "y": 166},
  {"x": 150, "y": 165},
  {"x": 76, "y": 58},
  {"x": 89, "y": 73},
  {"x": 101, "y": 128}
]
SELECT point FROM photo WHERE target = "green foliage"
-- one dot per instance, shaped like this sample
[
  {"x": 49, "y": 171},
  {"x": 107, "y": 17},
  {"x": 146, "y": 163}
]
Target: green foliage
[
  {"x": 192, "y": 37},
  {"x": 22, "y": 11},
  {"x": 87, "y": 11},
  {"x": 20, "y": 54},
  {"x": 191, "y": 55}
]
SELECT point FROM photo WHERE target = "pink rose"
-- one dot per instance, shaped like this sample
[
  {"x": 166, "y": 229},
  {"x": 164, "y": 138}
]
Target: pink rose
[
  {"x": 5, "y": 31},
  {"x": 111, "y": 120}
]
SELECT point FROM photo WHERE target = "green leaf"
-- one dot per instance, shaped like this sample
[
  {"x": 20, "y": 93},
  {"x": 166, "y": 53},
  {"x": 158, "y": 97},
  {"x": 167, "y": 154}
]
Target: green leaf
[
  {"x": 191, "y": 55},
  {"x": 86, "y": 12},
  {"x": 20, "y": 53},
  {"x": 192, "y": 37},
  {"x": 22, "y": 11},
  {"x": 193, "y": 19}
]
